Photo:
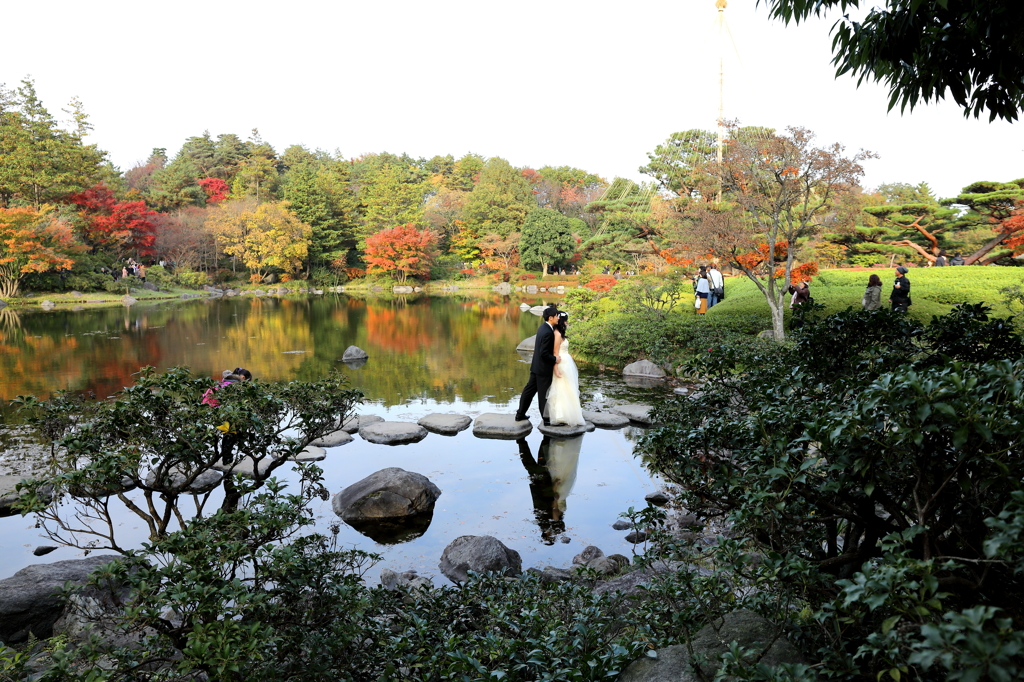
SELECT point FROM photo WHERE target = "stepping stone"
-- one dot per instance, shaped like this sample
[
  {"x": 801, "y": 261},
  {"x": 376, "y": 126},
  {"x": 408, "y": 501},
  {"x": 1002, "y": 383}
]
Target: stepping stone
[
  {"x": 637, "y": 413},
  {"x": 681, "y": 390},
  {"x": 606, "y": 420},
  {"x": 333, "y": 440},
  {"x": 353, "y": 424},
  {"x": 502, "y": 426},
  {"x": 246, "y": 467},
  {"x": 537, "y": 309},
  {"x": 392, "y": 433},
  {"x": 312, "y": 453},
  {"x": 445, "y": 424},
  {"x": 175, "y": 481},
  {"x": 527, "y": 344},
  {"x": 565, "y": 431},
  {"x": 524, "y": 306}
]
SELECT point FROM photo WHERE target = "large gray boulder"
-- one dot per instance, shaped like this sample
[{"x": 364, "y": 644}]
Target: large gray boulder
[
  {"x": 527, "y": 345},
  {"x": 30, "y": 602},
  {"x": 481, "y": 554},
  {"x": 643, "y": 368},
  {"x": 3, "y": 303},
  {"x": 389, "y": 494},
  {"x": 746, "y": 628},
  {"x": 392, "y": 433},
  {"x": 353, "y": 354}
]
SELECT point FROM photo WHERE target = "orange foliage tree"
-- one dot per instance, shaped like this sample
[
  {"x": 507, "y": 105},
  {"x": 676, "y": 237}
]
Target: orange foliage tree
[
  {"x": 404, "y": 251},
  {"x": 775, "y": 190},
  {"x": 32, "y": 241}
]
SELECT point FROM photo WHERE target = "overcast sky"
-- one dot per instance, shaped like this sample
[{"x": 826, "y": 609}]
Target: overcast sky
[{"x": 592, "y": 84}]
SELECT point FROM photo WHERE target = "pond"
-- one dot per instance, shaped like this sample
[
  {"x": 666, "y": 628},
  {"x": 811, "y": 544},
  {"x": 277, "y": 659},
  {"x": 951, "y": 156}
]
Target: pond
[{"x": 545, "y": 498}]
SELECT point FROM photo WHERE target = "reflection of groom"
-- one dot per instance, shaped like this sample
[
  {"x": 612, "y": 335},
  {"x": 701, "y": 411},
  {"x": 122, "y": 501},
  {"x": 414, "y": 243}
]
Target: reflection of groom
[{"x": 542, "y": 367}]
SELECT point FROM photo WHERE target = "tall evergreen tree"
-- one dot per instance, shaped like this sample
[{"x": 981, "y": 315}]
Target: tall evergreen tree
[
  {"x": 500, "y": 201},
  {"x": 40, "y": 162},
  {"x": 319, "y": 193}
]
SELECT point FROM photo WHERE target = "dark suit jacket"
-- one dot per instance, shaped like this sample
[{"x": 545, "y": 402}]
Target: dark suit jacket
[{"x": 544, "y": 350}]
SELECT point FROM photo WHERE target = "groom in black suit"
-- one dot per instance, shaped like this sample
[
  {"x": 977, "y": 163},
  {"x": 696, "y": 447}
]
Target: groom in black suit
[{"x": 542, "y": 367}]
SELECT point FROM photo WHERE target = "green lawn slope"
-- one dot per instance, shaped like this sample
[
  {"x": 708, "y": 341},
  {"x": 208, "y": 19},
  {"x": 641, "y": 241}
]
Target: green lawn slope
[{"x": 934, "y": 291}]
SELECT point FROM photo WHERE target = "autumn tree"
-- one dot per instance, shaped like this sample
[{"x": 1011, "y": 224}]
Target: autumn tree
[
  {"x": 404, "y": 251},
  {"x": 33, "y": 241},
  {"x": 547, "y": 239},
  {"x": 41, "y": 162},
  {"x": 500, "y": 201},
  {"x": 185, "y": 238},
  {"x": 122, "y": 228},
  {"x": 500, "y": 253},
  {"x": 777, "y": 189},
  {"x": 263, "y": 236}
]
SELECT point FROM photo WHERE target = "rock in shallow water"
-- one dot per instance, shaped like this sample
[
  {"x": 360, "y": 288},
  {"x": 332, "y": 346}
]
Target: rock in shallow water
[
  {"x": 478, "y": 553},
  {"x": 445, "y": 424},
  {"x": 502, "y": 426},
  {"x": 392, "y": 433}
]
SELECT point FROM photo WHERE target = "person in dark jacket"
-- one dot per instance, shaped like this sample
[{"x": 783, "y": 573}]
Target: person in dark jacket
[
  {"x": 957, "y": 259},
  {"x": 900, "y": 296}
]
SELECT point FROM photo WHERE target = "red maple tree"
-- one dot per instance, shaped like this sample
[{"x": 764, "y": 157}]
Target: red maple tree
[
  {"x": 403, "y": 250},
  {"x": 125, "y": 227},
  {"x": 216, "y": 190}
]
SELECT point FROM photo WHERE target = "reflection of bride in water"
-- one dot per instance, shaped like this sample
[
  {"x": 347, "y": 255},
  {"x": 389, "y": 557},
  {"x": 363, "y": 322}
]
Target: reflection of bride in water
[{"x": 552, "y": 476}]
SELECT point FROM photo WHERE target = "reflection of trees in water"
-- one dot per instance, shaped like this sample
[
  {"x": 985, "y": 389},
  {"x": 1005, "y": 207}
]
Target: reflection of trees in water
[
  {"x": 552, "y": 475},
  {"x": 429, "y": 347},
  {"x": 9, "y": 320}
]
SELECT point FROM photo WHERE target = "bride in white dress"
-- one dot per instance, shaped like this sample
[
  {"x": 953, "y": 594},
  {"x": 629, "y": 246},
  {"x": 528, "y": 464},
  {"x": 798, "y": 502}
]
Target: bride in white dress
[{"x": 563, "y": 405}]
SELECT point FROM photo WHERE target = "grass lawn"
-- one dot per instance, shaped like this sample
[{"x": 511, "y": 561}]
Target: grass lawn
[{"x": 933, "y": 290}]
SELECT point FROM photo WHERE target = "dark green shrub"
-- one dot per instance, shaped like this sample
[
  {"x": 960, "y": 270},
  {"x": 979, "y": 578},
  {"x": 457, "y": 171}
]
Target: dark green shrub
[{"x": 875, "y": 464}]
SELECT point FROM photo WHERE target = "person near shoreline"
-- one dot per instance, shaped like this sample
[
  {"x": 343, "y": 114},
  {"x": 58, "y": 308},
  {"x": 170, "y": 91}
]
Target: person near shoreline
[
  {"x": 542, "y": 367},
  {"x": 563, "y": 404},
  {"x": 900, "y": 296},
  {"x": 873, "y": 294},
  {"x": 231, "y": 437}
]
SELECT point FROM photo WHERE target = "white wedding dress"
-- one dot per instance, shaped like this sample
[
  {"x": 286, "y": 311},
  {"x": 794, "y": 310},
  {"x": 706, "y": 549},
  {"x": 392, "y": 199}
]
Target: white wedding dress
[{"x": 564, "y": 395}]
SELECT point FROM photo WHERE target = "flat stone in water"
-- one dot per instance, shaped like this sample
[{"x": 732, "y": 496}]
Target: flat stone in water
[
  {"x": 606, "y": 420},
  {"x": 353, "y": 424},
  {"x": 393, "y": 433},
  {"x": 445, "y": 424},
  {"x": 502, "y": 426},
  {"x": 312, "y": 453},
  {"x": 564, "y": 430},
  {"x": 245, "y": 467},
  {"x": 637, "y": 413},
  {"x": 333, "y": 440}
]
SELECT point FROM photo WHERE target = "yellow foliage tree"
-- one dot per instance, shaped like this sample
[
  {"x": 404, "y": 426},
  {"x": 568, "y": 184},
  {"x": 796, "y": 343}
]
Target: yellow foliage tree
[{"x": 262, "y": 235}]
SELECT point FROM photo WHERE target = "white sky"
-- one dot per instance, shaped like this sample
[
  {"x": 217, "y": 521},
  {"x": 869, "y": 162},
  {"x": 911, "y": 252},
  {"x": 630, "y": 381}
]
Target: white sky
[{"x": 592, "y": 84}]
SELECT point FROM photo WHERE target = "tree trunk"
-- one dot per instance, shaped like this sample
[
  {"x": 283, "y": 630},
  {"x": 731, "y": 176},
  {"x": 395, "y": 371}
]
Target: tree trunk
[
  {"x": 778, "y": 317},
  {"x": 545, "y": 273},
  {"x": 992, "y": 243}
]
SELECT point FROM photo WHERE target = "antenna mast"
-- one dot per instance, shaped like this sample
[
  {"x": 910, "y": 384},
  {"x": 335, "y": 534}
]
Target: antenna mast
[{"x": 721, "y": 5}]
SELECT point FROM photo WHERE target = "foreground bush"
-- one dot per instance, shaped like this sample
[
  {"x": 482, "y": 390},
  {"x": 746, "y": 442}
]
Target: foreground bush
[{"x": 875, "y": 465}]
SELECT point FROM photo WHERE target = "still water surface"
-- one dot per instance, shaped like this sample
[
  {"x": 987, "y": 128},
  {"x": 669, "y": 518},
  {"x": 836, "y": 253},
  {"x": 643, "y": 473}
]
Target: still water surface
[{"x": 545, "y": 498}]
